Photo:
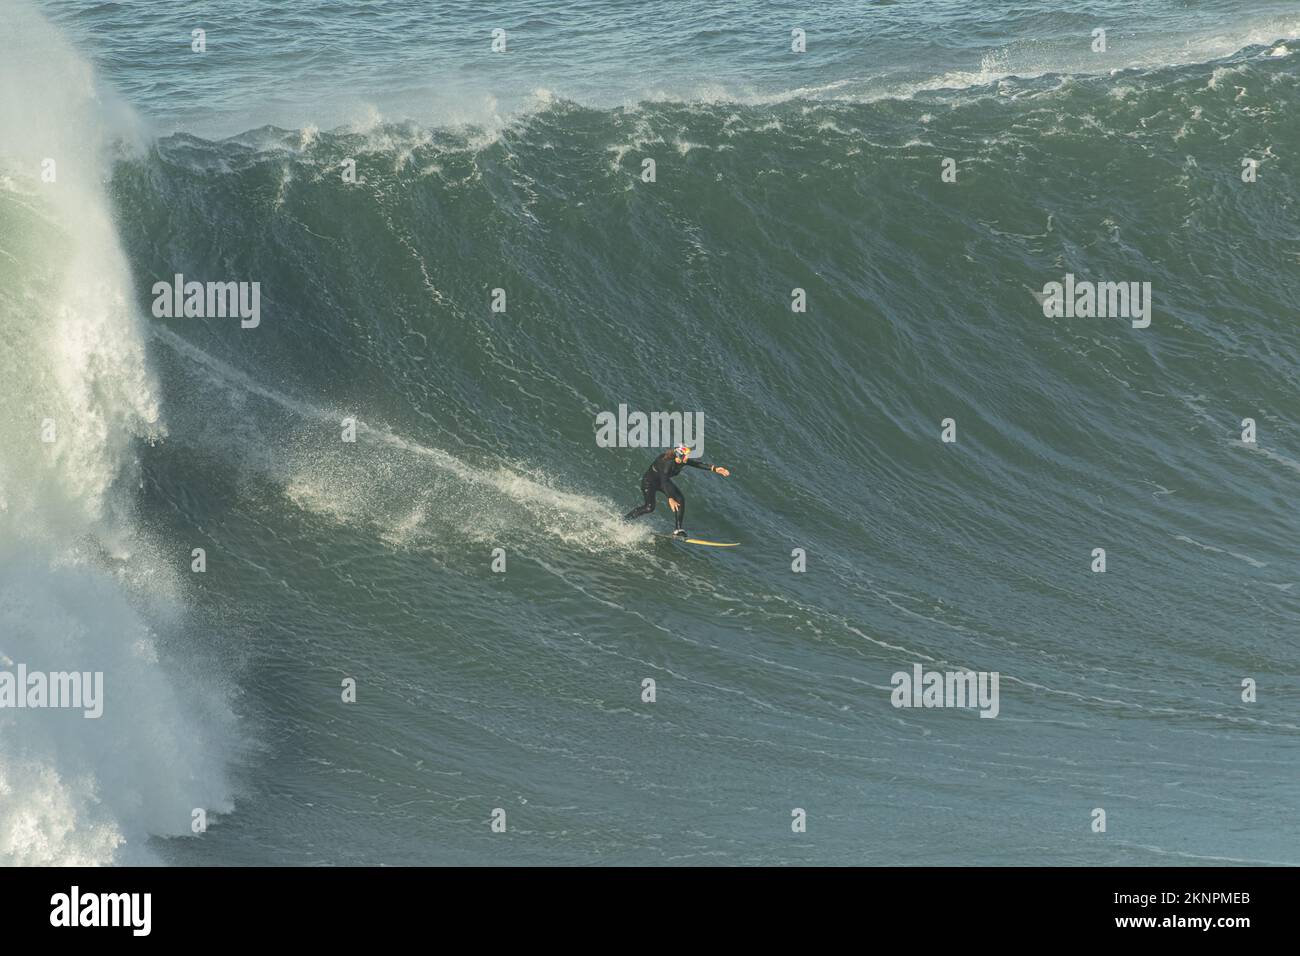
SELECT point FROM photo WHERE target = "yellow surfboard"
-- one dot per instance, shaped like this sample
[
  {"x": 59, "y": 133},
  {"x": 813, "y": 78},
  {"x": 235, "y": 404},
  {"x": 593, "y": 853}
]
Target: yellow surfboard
[{"x": 707, "y": 544}]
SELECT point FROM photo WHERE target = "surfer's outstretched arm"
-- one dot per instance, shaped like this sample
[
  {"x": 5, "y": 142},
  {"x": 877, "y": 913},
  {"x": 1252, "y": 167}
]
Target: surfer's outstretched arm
[{"x": 716, "y": 469}]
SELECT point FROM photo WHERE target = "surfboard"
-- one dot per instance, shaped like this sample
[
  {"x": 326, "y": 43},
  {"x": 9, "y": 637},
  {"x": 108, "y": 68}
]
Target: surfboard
[{"x": 707, "y": 544}]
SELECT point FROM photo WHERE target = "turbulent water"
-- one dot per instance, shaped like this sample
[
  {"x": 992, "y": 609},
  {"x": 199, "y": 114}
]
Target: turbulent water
[{"x": 522, "y": 690}]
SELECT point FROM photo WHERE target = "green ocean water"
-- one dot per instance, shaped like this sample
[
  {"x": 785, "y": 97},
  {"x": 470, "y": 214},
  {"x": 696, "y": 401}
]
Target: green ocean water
[{"x": 477, "y": 690}]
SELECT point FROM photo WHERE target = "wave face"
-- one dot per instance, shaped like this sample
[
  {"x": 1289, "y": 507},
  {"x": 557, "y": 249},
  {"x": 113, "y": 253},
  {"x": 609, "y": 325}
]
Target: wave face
[{"x": 372, "y": 559}]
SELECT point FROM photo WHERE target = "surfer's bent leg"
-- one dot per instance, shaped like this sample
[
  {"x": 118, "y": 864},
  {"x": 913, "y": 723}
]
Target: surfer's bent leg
[
  {"x": 648, "y": 490},
  {"x": 675, "y": 494}
]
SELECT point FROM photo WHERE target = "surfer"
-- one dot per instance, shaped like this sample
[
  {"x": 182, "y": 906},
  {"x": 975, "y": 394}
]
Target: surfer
[{"x": 659, "y": 477}]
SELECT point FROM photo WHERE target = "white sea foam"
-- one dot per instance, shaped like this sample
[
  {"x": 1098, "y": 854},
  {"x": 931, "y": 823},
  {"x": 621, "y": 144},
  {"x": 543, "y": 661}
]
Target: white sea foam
[{"x": 80, "y": 587}]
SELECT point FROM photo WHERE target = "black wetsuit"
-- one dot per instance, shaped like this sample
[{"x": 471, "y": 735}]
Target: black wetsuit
[{"x": 659, "y": 477}]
